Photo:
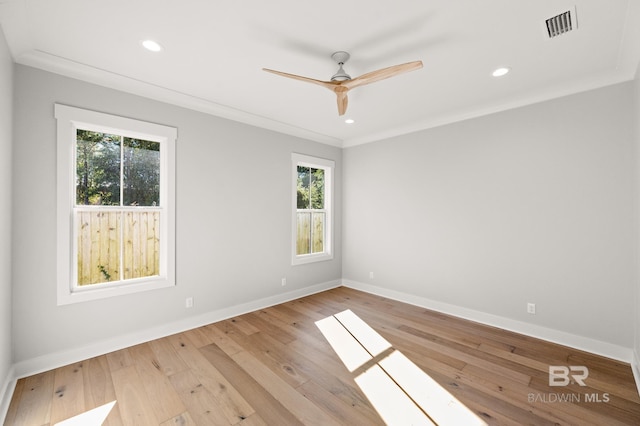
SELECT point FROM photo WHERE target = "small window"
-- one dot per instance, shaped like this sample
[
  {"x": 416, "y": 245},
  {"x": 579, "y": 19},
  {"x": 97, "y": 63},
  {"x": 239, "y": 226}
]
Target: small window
[
  {"x": 116, "y": 212},
  {"x": 312, "y": 205}
]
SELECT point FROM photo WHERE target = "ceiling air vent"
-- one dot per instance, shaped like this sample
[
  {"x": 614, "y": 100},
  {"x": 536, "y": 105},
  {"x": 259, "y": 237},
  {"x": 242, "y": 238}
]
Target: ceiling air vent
[{"x": 562, "y": 23}]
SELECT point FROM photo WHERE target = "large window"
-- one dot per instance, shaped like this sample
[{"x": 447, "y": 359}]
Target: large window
[
  {"x": 312, "y": 204},
  {"x": 116, "y": 213}
]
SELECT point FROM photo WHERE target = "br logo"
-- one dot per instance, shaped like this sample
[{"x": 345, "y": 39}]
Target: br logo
[{"x": 559, "y": 375}]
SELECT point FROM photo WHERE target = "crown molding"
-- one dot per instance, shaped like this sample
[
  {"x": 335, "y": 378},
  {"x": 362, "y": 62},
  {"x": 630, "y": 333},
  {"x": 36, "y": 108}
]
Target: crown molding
[{"x": 89, "y": 74}]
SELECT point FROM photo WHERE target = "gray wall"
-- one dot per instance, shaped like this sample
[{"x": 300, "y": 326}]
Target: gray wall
[
  {"x": 636, "y": 114},
  {"x": 233, "y": 218},
  {"x": 6, "y": 99},
  {"x": 529, "y": 205}
]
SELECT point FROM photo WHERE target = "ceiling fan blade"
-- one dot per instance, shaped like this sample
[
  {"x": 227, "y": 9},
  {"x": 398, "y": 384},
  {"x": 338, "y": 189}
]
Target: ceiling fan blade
[
  {"x": 343, "y": 101},
  {"x": 328, "y": 84},
  {"x": 381, "y": 74}
]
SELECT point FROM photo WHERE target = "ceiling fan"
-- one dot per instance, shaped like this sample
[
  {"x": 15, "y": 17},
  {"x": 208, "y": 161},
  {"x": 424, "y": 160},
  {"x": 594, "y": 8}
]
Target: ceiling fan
[{"x": 341, "y": 82}]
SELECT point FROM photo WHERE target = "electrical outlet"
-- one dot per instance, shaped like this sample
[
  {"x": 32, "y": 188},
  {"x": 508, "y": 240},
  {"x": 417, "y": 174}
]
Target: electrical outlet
[
  {"x": 284, "y": 282},
  {"x": 531, "y": 308},
  {"x": 370, "y": 275},
  {"x": 188, "y": 303}
]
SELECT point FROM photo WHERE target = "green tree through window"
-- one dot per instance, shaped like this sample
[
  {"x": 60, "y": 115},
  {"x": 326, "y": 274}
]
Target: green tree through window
[
  {"x": 98, "y": 168},
  {"x": 108, "y": 165}
]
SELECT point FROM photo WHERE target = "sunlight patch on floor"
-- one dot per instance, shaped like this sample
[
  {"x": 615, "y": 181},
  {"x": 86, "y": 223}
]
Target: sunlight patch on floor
[
  {"x": 94, "y": 417},
  {"x": 399, "y": 390},
  {"x": 393, "y": 405},
  {"x": 351, "y": 353}
]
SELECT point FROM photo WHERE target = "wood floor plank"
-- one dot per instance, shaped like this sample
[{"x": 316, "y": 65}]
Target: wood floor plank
[
  {"x": 272, "y": 411},
  {"x": 608, "y": 413},
  {"x": 202, "y": 405},
  {"x": 244, "y": 325},
  {"x": 407, "y": 342},
  {"x": 297, "y": 320},
  {"x": 298, "y": 367},
  {"x": 69, "y": 393},
  {"x": 304, "y": 307},
  {"x": 232, "y": 403},
  {"x": 319, "y": 305},
  {"x": 178, "y": 341},
  {"x": 199, "y": 337},
  {"x": 273, "y": 354},
  {"x": 168, "y": 359},
  {"x": 598, "y": 381},
  {"x": 164, "y": 400},
  {"x": 343, "y": 412},
  {"x": 453, "y": 351},
  {"x": 339, "y": 383},
  {"x": 302, "y": 408},
  {"x": 222, "y": 339},
  {"x": 509, "y": 391},
  {"x": 412, "y": 318},
  {"x": 119, "y": 359},
  {"x": 517, "y": 395},
  {"x": 34, "y": 406},
  {"x": 475, "y": 357},
  {"x": 98, "y": 388},
  {"x": 513, "y": 414},
  {"x": 271, "y": 326},
  {"x": 133, "y": 401},
  {"x": 182, "y": 419},
  {"x": 254, "y": 420},
  {"x": 601, "y": 364},
  {"x": 327, "y": 369}
]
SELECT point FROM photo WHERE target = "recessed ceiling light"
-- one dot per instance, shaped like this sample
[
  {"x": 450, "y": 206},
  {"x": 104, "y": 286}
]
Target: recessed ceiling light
[
  {"x": 349, "y": 121},
  {"x": 499, "y": 72},
  {"x": 151, "y": 46}
]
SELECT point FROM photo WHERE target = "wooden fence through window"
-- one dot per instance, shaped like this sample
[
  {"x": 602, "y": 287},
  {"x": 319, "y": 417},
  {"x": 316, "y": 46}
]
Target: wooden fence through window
[{"x": 102, "y": 253}]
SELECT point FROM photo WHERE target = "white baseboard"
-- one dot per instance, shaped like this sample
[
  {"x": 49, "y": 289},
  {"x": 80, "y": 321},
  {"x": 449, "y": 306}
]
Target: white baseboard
[
  {"x": 7, "y": 389},
  {"x": 48, "y": 362},
  {"x": 598, "y": 347},
  {"x": 635, "y": 367}
]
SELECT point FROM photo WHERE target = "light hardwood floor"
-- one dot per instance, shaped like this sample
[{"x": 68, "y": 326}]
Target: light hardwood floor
[{"x": 274, "y": 367}]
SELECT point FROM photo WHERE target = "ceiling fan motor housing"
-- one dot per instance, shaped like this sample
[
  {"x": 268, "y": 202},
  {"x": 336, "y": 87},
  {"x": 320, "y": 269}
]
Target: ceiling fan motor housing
[{"x": 341, "y": 58}]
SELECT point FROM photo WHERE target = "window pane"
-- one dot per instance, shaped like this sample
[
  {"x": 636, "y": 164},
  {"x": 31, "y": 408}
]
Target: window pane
[
  {"x": 304, "y": 176},
  {"x": 98, "y": 247},
  {"x": 141, "y": 244},
  {"x": 303, "y": 240},
  {"x": 97, "y": 168},
  {"x": 317, "y": 233},
  {"x": 141, "y": 173},
  {"x": 317, "y": 189}
]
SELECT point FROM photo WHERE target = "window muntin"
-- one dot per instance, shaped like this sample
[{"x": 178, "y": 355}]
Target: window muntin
[
  {"x": 116, "y": 205},
  {"x": 312, "y": 232}
]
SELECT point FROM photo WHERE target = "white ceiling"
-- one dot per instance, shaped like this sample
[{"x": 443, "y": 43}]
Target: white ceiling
[{"x": 214, "y": 52}]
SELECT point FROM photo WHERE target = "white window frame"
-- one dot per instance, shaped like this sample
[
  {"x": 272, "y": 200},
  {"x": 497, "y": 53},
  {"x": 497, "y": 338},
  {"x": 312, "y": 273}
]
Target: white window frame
[
  {"x": 69, "y": 119},
  {"x": 328, "y": 166}
]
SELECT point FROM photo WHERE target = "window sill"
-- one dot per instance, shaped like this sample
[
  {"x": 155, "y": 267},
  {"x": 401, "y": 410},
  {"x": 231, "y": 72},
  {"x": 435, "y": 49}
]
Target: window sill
[
  {"x": 103, "y": 292},
  {"x": 311, "y": 258}
]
